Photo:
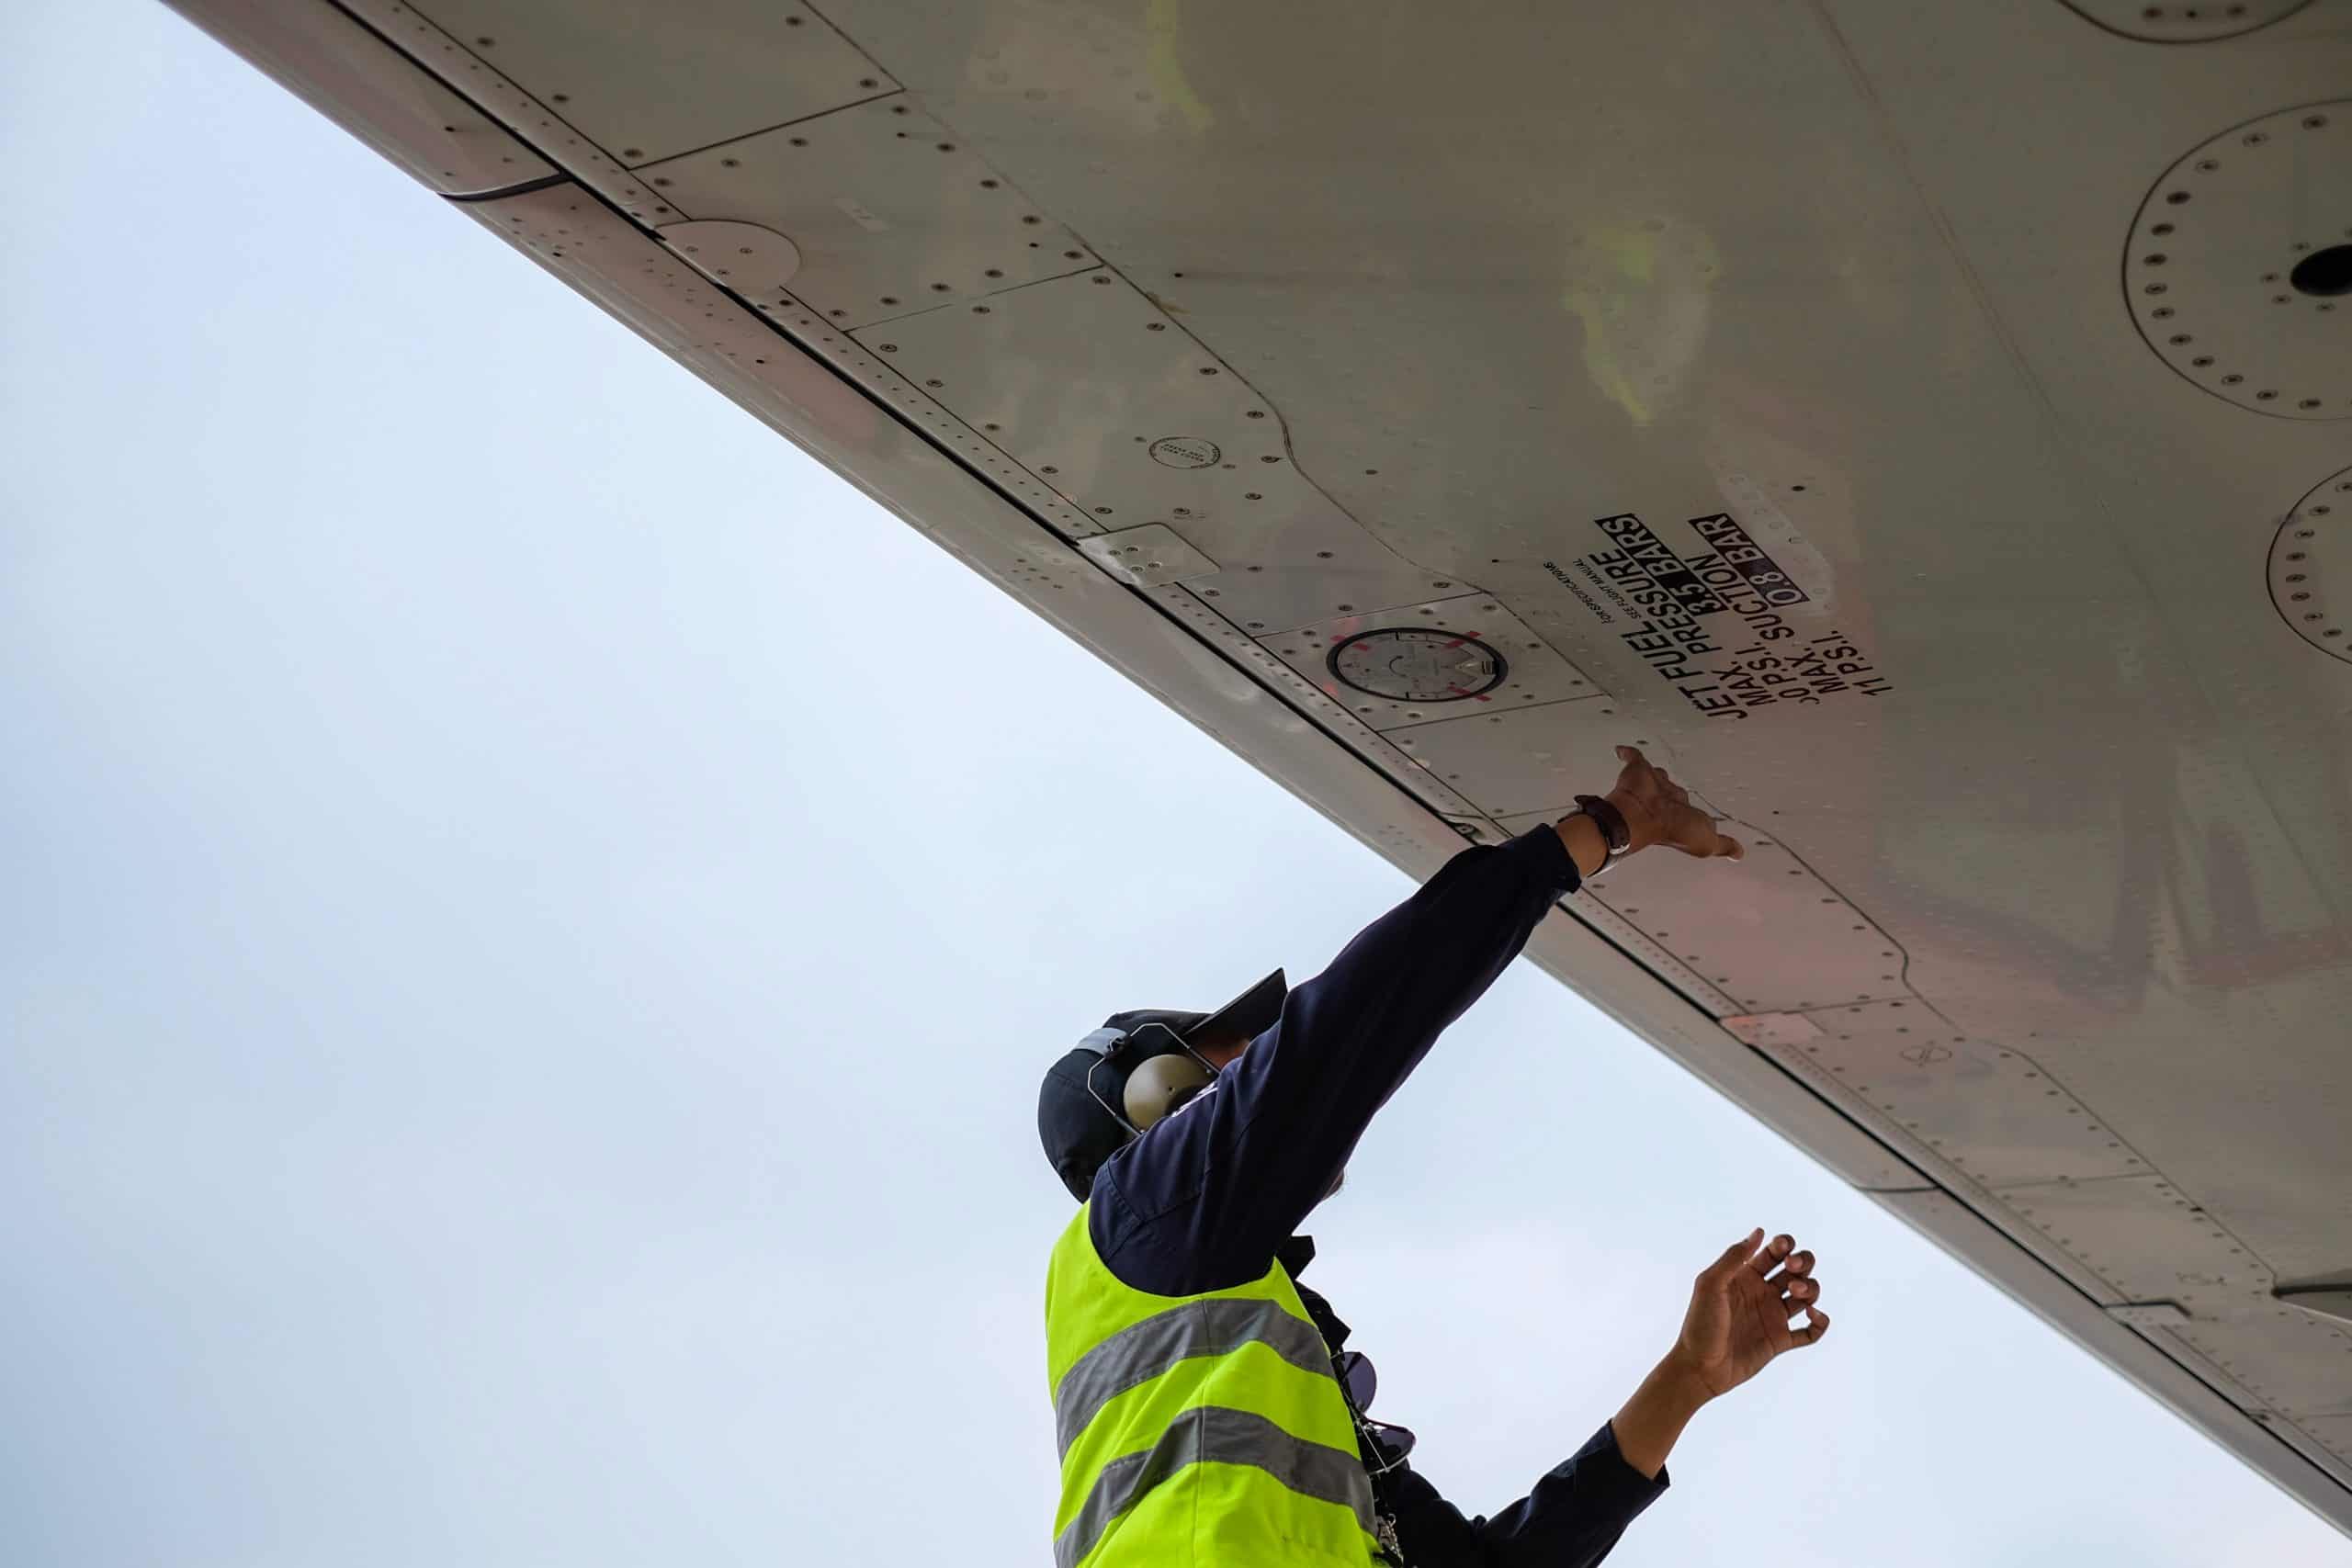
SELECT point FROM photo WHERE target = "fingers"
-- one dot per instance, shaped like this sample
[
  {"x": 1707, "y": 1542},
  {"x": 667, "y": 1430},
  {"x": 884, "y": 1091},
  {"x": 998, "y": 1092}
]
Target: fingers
[
  {"x": 1672, "y": 802},
  {"x": 1816, "y": 1324},
  {"x": 1709, "y": 842},
  {"x": 1694, "y": 833},
  {"x": 1732, "y": 1256},
  {"x": 1768, "y": 1256},
  {"x": 1710, "y": 845},
  {"x": 1633, "y": 767},
  {"x": 1799, "y": 1294},
  {"x": 1798, "y": 1289}
]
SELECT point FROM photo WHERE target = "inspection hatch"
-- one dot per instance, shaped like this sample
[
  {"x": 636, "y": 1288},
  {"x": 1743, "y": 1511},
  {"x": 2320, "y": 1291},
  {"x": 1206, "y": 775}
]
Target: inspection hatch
[
  {"x": 1184, "y": 452},
  {"x": 2239, "y": 269},
  {"x": 2311, "y": 566},
  {"x": 2173, "y": 22},
  {"x": 1418, "y": 664},
  {"x": 1393, "y": 668}
]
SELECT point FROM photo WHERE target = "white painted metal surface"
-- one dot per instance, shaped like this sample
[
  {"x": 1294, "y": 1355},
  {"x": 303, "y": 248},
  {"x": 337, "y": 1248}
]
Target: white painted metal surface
[
  {"x": 1995, "y": 1112},
  {"x": 2240, "y": 257},
  {"x": 650, "y": 81},
  {"x": 2311, "y": 566},
  {"x": 1100, "y": 390},
  {"x": 1771, "y": 372},
  {"x": 1148, "y": 556},
  {"x": 756, "y": 263},
  {"x": 540, "y": 122},
  {"x": 2185, "y": 21},
  {"x": 2332, "y": 1300},
  {"x": 895, "y": 216}
]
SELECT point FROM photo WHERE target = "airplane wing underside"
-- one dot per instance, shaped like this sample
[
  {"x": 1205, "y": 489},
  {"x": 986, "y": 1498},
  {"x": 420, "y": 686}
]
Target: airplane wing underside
[{"x": 1926, "y": 426}]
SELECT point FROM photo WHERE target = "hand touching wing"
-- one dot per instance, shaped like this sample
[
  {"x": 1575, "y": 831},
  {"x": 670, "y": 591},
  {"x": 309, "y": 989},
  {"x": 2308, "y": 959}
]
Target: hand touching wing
[{"x": 1658, "y": 811}]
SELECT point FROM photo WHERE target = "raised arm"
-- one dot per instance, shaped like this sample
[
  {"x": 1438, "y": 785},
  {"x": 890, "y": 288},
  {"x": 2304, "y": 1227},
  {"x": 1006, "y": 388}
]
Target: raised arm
[
  {"x": 1203, "y": 1198},
  {"x": 1737, "y": 1325}
]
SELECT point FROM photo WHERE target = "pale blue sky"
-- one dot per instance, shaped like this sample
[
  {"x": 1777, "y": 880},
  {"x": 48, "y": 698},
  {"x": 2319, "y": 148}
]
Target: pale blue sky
[{"x": 524, "y": 967}]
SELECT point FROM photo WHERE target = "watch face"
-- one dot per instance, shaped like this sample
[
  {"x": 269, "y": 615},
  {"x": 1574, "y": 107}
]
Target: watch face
[{"x": 1418, "y": 664}]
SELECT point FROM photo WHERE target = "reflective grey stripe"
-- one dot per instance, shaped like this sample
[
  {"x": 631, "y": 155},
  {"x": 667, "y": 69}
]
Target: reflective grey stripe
[
  {"x": 1141, "y": 1351},
  {"x": 1213, "y": 1435}
]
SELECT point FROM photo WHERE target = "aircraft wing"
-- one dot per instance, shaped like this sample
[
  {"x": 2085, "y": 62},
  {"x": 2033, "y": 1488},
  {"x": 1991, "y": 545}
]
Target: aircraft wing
[{"x": 1924, "y": 426}]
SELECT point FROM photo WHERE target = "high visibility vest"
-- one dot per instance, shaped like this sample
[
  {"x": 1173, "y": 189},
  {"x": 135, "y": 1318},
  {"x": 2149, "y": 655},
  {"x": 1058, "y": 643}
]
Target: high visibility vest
[{"x": 1200, "y": 1431}]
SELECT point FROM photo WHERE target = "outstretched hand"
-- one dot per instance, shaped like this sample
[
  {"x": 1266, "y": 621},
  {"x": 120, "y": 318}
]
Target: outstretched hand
[
  {"x": 1738, "y": 1322},
  {"x": 1740, "y": 1308},
  {"x": 1658, "y": 811}
]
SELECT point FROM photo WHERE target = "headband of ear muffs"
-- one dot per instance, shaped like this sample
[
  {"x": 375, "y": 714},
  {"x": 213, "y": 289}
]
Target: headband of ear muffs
[{"x": 1144, "y": 1067}]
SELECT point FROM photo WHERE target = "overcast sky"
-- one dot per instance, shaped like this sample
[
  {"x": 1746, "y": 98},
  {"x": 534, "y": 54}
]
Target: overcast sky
[{"x": 524, "y": 965}]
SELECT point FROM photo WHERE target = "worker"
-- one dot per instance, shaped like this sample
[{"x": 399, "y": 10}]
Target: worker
[{"x": 1208, "y": 1411}]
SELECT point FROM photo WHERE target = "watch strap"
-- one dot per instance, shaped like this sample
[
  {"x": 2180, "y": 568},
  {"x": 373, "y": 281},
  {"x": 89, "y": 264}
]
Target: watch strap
[{"x": 1610, "y": 821}]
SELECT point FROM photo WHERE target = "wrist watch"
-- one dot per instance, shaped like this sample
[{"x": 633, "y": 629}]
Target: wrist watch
[{"x": 1611, "y": 823}]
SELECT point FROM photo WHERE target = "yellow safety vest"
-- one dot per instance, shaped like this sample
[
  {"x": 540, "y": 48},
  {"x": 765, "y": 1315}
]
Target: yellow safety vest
[{"x": 1200, "y": 1431}]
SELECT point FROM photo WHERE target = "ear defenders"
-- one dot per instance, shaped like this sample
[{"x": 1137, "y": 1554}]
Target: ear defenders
[
  {"x": 1160, "y": 1086},
  {"x": 1160, "y": 1072}
]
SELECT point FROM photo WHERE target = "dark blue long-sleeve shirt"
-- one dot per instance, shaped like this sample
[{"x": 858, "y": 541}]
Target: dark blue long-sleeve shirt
[{"x": 1207, "y": 1198}]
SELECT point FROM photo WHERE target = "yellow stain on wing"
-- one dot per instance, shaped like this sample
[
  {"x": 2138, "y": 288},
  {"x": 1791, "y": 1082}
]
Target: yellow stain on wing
[
  {"x": 1167, "y": 66},
  {"x": 1643, "y": 304}
]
